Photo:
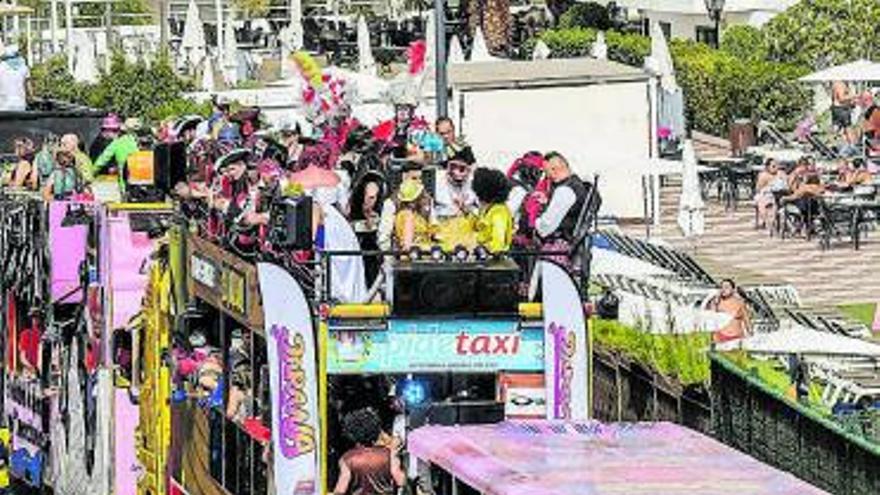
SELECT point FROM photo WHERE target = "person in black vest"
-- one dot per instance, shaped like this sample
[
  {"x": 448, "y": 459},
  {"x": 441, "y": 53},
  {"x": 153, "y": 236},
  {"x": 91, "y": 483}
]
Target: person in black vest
[{"x": 556, "y": 225}]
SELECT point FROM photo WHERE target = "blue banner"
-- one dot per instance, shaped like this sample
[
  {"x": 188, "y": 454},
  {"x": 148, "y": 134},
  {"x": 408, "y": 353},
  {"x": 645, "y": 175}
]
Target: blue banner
[{"x": 423, "y": 346}]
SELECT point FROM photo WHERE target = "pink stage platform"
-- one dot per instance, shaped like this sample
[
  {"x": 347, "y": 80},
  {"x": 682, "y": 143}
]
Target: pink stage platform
[{"x": 591, "y": 458}]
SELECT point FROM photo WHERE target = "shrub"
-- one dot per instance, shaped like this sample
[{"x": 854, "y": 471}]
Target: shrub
[
  {"x": 147, "y": 91},
  {"x": 586, "y": 15},
  {"x": 744, "y": 42}
]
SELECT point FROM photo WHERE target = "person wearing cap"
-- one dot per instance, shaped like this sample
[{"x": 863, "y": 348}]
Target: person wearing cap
[
  {"x": 116, "y": 154},
  {"x": 248, "y": 120},
  {"x": 291, "y": 135},
  {"x": 237, "y": 198},
  {"x": 412, "y": 227},
  {"x": 14, "y": 81},
  {"x": 411, "y": 171},
  {"x": 185, "y": 129},
  {"x": 111, "y": 127}
]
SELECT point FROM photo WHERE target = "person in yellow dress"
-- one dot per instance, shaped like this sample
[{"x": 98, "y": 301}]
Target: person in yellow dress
[
  {"x": 494, "y": 222},
  {"x": 5, "y": 454},
  {"x": 412, "y": 227}
]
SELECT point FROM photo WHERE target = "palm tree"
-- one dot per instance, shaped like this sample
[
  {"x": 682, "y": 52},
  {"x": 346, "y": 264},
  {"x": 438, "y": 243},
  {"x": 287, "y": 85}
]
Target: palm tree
[{"x": 494, "y": 17}]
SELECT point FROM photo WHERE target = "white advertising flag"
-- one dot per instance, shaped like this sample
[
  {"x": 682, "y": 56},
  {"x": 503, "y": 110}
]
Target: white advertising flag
[
  {"x": 293, "y": 379},
  {"x": 565, "y": 345}
]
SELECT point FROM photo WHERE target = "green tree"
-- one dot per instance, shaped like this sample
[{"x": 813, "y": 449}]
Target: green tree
[
  {"x": 586, "y": 15},
  {"x": 744, "y": 42},
  {"x": 822, "y": 33}
]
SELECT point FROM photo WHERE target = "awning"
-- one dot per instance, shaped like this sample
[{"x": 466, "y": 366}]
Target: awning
[
  {"x": 552, "y": 458},
  {"x": 858, "y": 71}
]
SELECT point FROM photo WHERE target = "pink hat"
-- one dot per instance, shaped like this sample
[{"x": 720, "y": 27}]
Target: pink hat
[
  {"x": 111, "y": 122},
  {"x": 269, "y": 167}
]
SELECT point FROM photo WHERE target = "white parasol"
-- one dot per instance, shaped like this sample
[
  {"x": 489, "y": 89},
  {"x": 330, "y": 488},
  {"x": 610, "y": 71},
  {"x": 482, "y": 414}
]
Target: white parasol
[
  {"x": 193, "y": 41},
  {"x": 85, "y": 67},
  {"x": 296, "y": 27},
  {"x": 366, "y": 62},
  {"x": 456, "y": 54},
  {"x": 229, "y": 60},
  {"x": 800, "y": 340},
  {"x": 662, "y": 58},
  {"x": 599, "y": 50},
  {"x": 541, "y": 51},
  {"x": 479, "y": 50},
  {"x": 858, "y": 71},
  {"x": 430, "y": 43},
  {"x": 208, "y": 76},
  {"x": 690, "y": 204}
]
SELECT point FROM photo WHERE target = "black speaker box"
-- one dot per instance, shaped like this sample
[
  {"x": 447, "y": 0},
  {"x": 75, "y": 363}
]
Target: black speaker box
[
  {"x": 456, "y": 289},
  {"x": 465, "y": 413},
  {"x": 169, "y": 161},
  {"x": 291, "y": 223}
]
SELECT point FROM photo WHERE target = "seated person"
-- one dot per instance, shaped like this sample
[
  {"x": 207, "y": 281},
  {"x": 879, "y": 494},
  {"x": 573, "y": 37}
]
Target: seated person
[
  {"x": 494, "y": 224},
  {"x": 728, "y": 301},
  {"x": 412, "y": 226},
  {"x": 805, "y": 196},
  {"x": 24, "y": 174},
  {"x": 857, "y": 175},
  {"x": 410, "y": 171},
  {"x": 65, "y": 181},
  {"x": 771, "y": 181}
]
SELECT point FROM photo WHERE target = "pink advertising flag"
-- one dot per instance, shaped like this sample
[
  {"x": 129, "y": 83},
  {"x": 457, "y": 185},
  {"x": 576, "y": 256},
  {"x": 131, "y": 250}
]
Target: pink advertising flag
[{"x": 293, "y": 379}]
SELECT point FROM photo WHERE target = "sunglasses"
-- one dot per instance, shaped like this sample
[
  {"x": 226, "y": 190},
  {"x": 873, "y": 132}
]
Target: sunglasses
[{"x": 459, "y": 166}]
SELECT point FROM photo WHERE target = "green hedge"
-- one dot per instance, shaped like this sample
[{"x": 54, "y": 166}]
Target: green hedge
[
  {"x": 150, "y": 92},
  {"x": 682, "y": 356},
  {"x": 719, "y": 86}
]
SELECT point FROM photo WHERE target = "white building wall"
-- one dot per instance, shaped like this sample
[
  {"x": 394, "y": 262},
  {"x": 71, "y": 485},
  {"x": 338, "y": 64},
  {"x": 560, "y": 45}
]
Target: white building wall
[{"x": 685, "y": 25}]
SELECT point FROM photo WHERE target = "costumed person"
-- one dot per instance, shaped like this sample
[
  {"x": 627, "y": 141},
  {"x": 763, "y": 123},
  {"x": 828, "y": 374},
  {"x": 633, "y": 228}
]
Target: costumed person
[
  {"x": 368, "y": 468},
  {"x": 556, "y": 225},
  {"x": 186, "y": 129},
  {"x": 526, "y": 175},
  {"x": 248, "y": 121},
  {"x": 494, "y": 223},
  {"x": 111, "y": 127},
  {"x": 115, "y": 155},
  {"x": 410, "y": 171},
  {"x": 65, "y": 180},
  {"x": 5, "y": 454},
  {"x": 366, "y": 200},
  {"x": 455, "y": 204},
  {"x": 234, "y": 199},
  {"x": 404, "y": 94},
  {"x": 412, "y": 226}
]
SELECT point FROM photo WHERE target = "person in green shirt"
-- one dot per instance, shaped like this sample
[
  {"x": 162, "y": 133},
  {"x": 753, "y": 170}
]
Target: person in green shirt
[
  {"x": 119, "y": 149},
  {"x": 70, "y": 144}
]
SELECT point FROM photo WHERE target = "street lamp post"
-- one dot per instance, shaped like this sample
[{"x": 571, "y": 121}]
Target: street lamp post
[
  {"x": 440, "y": 58},
  {"x": 715, "y": 9}
]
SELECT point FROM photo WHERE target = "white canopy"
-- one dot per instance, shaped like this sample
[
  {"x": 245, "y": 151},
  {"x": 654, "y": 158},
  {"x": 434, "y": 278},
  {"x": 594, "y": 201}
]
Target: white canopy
[
  {"x": 208, "y": 76},
  {"x": 599, "y": 50},
  {"x": 800, "y": 340},
  {"x": 662, "y": 58},
  {"x": 85, "y": 68},
  {"x": 858, "y": 71},
  {"x": 229, "y": 60},
  {"x": 479, "y": 51}
]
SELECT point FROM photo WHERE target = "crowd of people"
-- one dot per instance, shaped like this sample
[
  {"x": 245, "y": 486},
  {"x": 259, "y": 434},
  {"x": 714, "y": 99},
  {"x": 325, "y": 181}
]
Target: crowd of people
[{"x": 403, "y": 186}]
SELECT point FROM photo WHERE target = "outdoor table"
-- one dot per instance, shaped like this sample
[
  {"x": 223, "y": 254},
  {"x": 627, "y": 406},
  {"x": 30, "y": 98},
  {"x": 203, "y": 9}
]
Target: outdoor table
[
  {"x": 858, "y": 208},
  {"x": 729, "y": 169}
]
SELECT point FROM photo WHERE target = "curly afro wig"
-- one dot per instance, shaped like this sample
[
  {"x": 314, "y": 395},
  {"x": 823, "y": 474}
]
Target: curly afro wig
[
  {"x": 491, "y": 186},
  {"x": 363, "y": 426}
]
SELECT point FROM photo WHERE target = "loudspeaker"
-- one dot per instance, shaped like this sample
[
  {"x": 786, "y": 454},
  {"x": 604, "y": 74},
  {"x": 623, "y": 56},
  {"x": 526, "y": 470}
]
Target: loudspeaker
[
  {"x": 449, "y": 289},
  {"x": 465, "y": 413},
  {"x": 290, "y": 223},
  {"x": 169, "y": 160}
]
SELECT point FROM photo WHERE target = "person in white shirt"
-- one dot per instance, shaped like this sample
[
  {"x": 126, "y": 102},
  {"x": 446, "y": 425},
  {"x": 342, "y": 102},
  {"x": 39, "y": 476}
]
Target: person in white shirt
[
  {"x": 557, "y": 224},
  {"x": 455, "y": 195},
  {"x": 14, "y": 76}
]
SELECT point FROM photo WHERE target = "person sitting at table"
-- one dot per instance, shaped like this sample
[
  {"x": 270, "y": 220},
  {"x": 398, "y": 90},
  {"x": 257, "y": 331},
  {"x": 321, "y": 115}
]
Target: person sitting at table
[
  {"x": 412, "y": 226},
  {"x": 771, "y": 181},
  {"x": 805, "y": 198},
  {"x": 858, "y": 175},
  {"x": 798, "y": 174}
]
